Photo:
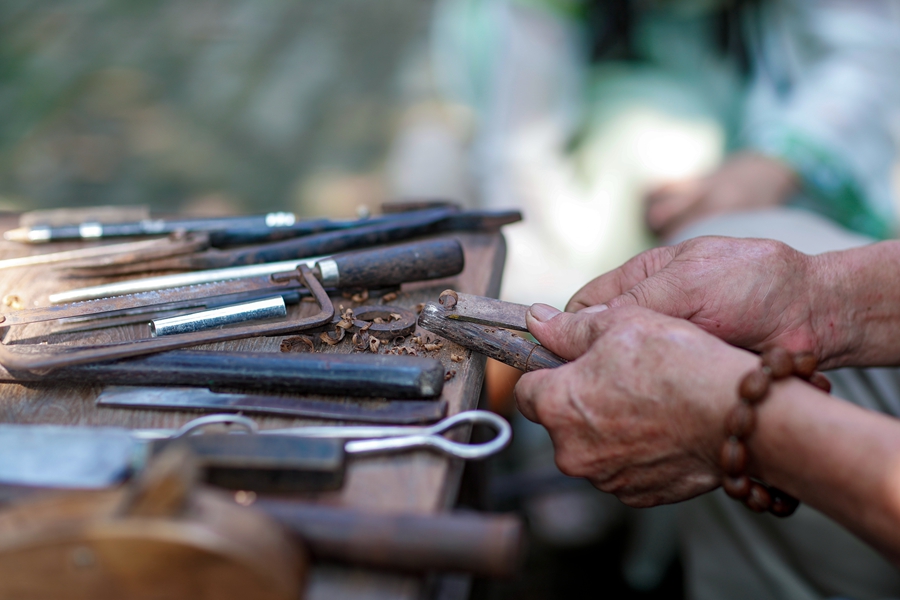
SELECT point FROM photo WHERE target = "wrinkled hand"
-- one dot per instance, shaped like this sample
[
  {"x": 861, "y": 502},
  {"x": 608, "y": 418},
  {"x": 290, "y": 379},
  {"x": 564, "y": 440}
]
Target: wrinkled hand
[
  {"x": 747, "y": 180},
  {"x": 751, "y": 293},
  {"x": 640, "y": 410}
]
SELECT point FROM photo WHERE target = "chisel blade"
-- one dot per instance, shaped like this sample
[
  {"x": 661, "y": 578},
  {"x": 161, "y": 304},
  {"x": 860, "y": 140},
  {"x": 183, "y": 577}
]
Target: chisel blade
[{"x": 405, "y": 412}]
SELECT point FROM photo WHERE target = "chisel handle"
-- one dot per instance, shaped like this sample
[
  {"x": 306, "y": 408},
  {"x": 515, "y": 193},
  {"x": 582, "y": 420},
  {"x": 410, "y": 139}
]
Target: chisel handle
[
  {"x": 385, "y": 267},
  {"x": 486, "y": 545}
]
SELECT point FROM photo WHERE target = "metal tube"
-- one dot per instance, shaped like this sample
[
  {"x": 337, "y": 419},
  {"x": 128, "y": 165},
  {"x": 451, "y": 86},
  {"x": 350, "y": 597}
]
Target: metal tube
[{"x": 258, "y": 310}]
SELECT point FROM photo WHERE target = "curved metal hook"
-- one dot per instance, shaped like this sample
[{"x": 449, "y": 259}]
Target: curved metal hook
[{"x": 430, "y": 437}]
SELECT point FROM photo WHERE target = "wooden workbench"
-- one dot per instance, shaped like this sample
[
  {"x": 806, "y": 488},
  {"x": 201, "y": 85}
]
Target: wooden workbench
[{"x": 419, "y": 482}]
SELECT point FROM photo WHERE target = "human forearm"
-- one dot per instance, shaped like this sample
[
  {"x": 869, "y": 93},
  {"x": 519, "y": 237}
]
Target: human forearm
[
  {"x": 838, "y": 458},
  {"x": 856, "y": 311}
]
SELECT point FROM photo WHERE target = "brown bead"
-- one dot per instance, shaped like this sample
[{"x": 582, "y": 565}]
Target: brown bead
[
  {"x": 741, "y": 421},
  {"x": 733, "y": 458},
  {"x": 779, "y": 362},
  {"x": 783, "y": 504},
  {"x": 758, "y": 500},
  {"x": 754, "y": 386},
  {"x": 821, "y": 382},
  {"x": 805, "y": 364},
  {"x": 737, "y": 487}
]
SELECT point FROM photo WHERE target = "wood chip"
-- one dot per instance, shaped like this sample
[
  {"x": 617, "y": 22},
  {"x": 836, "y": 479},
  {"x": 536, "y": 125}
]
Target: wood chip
[
  {"x": 330, "y": 338},
  {"x": 298, "y": 343}
]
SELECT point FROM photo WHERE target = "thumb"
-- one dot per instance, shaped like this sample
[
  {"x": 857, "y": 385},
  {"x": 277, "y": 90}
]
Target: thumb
[{"x": 568, "y": 335}]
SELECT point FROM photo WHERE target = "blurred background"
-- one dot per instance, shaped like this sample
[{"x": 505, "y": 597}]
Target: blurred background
[{"x": 570, "y": 110}]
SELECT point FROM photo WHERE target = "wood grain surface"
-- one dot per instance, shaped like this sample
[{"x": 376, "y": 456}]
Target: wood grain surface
[{"x": 417, "y": 482}]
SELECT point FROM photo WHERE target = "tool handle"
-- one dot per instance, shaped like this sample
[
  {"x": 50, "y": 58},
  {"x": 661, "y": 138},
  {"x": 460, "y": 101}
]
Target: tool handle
[
  {"x": 494, "y": 342},
  {"x": 361, "y": 375},
  {"x": 386, "y": 232},
  {"x": 487, "y": 545},
  {"x": 385, "y": 267}
]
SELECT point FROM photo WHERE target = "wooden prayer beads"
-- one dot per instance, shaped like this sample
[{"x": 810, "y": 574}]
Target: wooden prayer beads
[{"x": 741, "y": 422}]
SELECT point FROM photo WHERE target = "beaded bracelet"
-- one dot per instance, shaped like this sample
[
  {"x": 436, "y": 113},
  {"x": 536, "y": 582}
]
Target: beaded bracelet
[{"x": 741, "y": 422}]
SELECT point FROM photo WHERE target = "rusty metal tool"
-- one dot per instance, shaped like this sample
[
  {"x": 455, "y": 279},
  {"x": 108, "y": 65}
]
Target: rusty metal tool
[
  {"x": 289, "y": 459},
  {"x": 402, "y": 412},
  {"x": 170, "y": 246},
  {"x": 486, "y": 325},
  {"x": 396, "y": 228},
  {"x": 363, "y": 375},
  {"x": 373, "y": 268}
]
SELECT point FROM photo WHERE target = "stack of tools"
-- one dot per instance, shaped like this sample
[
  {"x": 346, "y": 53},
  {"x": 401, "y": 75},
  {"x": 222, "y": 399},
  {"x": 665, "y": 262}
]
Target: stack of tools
[{"x": 266, "y": 315}]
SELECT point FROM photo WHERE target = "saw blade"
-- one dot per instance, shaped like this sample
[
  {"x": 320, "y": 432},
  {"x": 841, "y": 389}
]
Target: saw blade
[{"x": 129, "y": 302}]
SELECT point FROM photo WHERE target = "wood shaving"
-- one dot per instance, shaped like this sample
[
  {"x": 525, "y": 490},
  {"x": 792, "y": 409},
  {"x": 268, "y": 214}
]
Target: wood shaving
[
  {"x": 361, "y": 340},
  {"x": 326, "y": 337},
  {"x": 389, "y": 297},
  {"x": 396, "y": 316},
  {"x": 366, "y": 327},
  {"x": 419, "y": 307},
  {"x": 346, "y": 314},
  {"x": 449, "y": 375},
  {"x": 344, "y": 324},
  {"x": 433, "y": 347},
  {"x": 374, "y": 344},
  {"x": 378, "y": 320},
  {"x": 361, "y": 296},
  {"x": 457, "y": 357},
  {"x": 307, "y": 299},
  {"x": 398, "y": 340},
  {"x": 298, "y": 343}
]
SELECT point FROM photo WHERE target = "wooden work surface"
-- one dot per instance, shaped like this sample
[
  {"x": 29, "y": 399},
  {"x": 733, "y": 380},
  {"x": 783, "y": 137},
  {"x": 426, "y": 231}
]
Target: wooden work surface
[{"x": 419, "y": 481}]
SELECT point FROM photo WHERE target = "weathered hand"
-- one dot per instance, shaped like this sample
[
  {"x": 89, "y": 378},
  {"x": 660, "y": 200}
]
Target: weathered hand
[
  {"x": 751, "y": 293},
  {"x": 745, "y": 181},
  {"x": 640, "y": 410}
]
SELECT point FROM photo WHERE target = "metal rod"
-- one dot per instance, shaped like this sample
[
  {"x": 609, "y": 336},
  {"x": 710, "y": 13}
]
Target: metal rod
[{"x": 257, "y": 310}]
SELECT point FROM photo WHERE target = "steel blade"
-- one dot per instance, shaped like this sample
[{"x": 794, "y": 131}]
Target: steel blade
[
  {"x": 149, "y": 284},
  {"x": 398, "y": 412}
]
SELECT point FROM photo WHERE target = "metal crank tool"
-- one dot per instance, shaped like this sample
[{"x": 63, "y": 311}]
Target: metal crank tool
[
  {"x": 382, "y": 267},
  {"x": 483, "y": 325},
  {"x": 273, "y": 460}
]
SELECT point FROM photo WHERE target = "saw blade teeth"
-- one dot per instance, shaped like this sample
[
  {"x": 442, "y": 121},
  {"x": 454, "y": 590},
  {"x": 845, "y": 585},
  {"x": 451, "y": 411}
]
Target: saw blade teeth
[{"x": 170, "y": 295}]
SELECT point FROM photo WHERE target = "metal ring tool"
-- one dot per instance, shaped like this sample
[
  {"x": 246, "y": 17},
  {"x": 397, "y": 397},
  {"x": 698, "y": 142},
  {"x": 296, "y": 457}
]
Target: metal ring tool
[{"x": 371, "y": 439}]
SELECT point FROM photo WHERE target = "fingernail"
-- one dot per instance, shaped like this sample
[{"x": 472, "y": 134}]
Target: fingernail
[
  {"x": 543, "y": 312},
  {"x": 594, "y": 309}
]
